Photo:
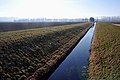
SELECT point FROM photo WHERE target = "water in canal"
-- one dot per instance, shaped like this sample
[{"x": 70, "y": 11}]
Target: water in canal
[{"x": 74, "y": 66}]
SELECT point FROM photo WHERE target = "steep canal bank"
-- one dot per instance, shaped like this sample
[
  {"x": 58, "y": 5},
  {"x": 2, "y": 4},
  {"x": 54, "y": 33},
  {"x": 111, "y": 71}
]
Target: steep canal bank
[
  {"x": 74, "y": 66},
  {"x": 61, "y": 53}
]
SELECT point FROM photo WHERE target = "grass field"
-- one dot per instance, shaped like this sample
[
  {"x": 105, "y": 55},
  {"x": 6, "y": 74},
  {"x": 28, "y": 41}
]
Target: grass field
[
  {"x": 12, "y": 26},
  {"x": 104, "y": 61},
  {"x": 23, "y": 52}
]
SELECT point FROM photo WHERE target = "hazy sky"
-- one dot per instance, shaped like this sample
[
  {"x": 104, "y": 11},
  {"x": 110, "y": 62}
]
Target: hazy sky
[{"x": 59, "y": 8}]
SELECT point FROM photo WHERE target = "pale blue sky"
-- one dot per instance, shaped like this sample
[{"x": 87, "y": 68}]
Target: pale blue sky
[{"x": 59, "y": 8}]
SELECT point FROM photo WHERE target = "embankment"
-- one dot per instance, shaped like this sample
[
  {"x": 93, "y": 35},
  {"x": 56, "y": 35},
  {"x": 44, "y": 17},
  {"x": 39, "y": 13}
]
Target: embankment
[
  {"x": 36, "y": 51},
  {"x": 104, "y": 57},
  {"x": 59, "y": 55}
]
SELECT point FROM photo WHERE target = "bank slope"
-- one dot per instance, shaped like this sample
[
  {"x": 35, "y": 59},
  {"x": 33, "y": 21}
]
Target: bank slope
[
  {"x": 104, "y": 60},
  {"x": 23, "y": 52}
]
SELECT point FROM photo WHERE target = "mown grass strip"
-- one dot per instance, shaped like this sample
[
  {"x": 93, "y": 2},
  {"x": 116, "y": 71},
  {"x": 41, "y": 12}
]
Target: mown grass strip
[{"x": 12, "y": 36}]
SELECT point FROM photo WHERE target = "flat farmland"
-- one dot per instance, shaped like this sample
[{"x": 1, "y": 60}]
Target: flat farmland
[
  {"x": 12, "y": 26},
  {"x": 32, "y": 53},
  {"x": 104, "y": 61}
]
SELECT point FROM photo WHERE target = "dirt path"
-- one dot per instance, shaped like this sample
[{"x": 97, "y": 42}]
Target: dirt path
[{"x": 116, "y": 24}]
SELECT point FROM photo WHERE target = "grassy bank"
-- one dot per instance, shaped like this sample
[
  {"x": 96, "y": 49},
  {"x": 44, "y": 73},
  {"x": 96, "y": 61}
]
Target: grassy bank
[
  {"x": 104, "y": 60},
  {"x": 35, "y": 51}
]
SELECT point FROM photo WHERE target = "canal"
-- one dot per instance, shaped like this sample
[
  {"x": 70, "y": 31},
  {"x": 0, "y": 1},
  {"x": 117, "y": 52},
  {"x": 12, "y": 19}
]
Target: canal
[{"x": 74, "y": 67}]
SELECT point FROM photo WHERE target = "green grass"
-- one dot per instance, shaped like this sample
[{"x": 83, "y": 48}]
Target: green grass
[
  {"x": 104, "y": 61},
  {"x": 23, "y": 52}
]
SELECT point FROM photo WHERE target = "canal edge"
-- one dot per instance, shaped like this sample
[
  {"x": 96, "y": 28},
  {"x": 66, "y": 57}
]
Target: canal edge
[{"x": 52, "y": 65}]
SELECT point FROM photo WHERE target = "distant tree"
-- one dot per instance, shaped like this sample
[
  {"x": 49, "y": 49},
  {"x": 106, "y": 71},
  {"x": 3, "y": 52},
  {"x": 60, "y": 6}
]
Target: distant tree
[{"x": 92, "y": 19}]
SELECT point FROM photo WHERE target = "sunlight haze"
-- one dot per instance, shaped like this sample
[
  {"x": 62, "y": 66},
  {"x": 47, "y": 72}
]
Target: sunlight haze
[{"x": 59, "y": 8}]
